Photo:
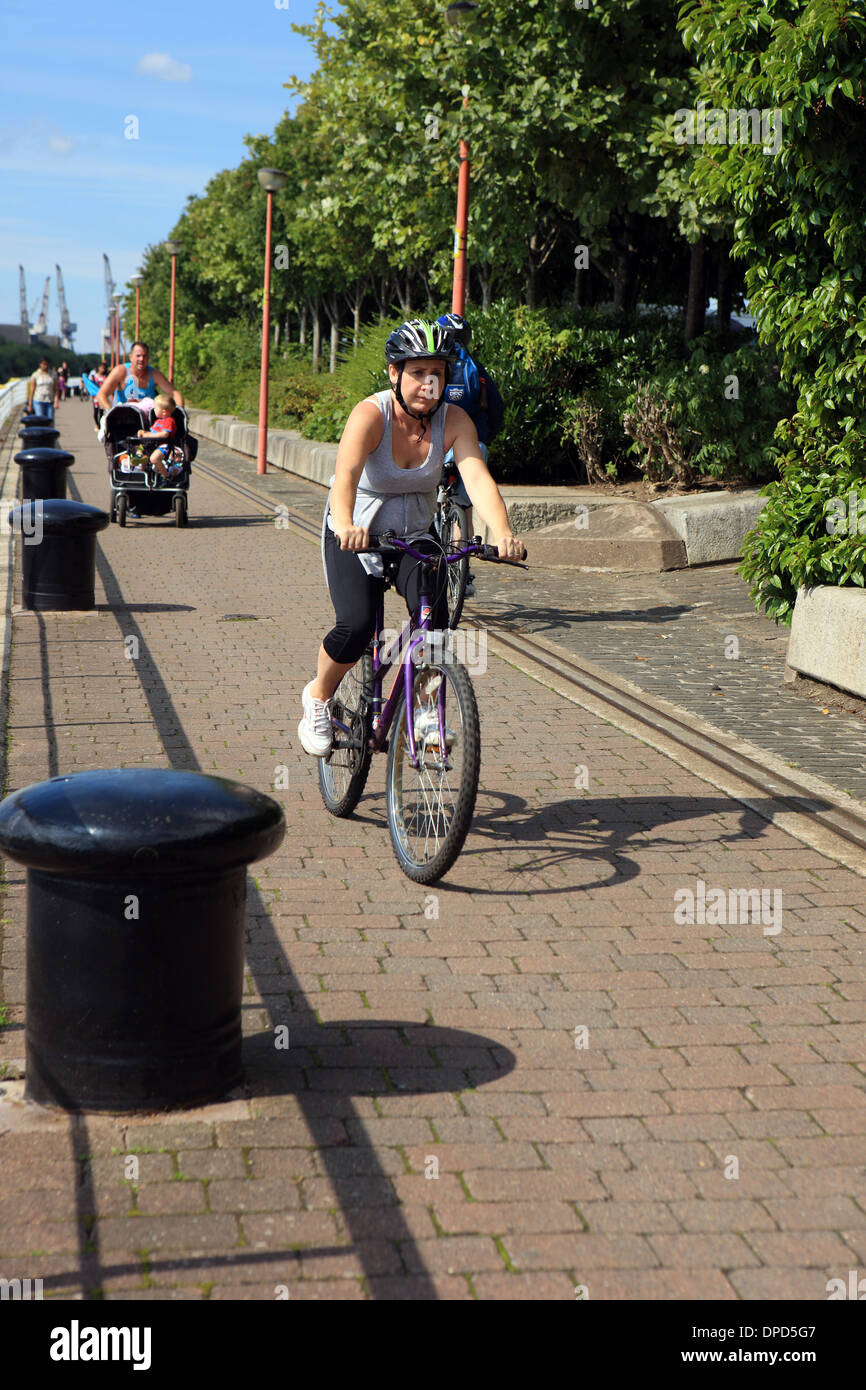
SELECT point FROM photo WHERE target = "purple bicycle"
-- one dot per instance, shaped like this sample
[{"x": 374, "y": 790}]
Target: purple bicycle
[{"x": 434, "y": 749}]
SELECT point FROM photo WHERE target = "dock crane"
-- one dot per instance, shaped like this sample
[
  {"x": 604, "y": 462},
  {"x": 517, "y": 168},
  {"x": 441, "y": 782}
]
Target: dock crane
[
  {"x": 41, "y": 324},
  {"x": 67, "y": 327}
]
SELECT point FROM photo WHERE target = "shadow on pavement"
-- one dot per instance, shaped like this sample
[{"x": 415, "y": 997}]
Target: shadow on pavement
[
  {"x": 546, "y": 619},
  {"x": 602, "y": 829}
]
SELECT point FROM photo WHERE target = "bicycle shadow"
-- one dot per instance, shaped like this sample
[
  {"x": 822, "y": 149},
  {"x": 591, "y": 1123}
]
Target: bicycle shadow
[
  {"x": 602, "y": 830},
  {"x": 542, "y": 618}
]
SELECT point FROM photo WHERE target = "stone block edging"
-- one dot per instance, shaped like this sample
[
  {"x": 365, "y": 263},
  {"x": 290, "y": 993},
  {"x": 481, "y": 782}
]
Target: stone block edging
[{"x": 828, "y": 636}]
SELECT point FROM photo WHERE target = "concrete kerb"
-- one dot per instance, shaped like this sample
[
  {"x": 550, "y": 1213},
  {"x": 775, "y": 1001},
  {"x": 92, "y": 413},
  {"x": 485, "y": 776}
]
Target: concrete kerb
[
  {"x": 712, "y": 525},
  {"x": 669, "y": 533},
  {"x": 828, "y": 637}
]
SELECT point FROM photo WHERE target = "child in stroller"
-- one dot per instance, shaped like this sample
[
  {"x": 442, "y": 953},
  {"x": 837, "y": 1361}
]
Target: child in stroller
[
  {"x": 166, "y": 458},
  {"x": 136, "y": 488}
]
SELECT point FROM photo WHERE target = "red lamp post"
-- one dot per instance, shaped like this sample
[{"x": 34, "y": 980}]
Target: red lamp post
[
  {"x": 459, "y": 14},
  {"x": 175, "y": 248},
  {"x": 271, "y": 180}
]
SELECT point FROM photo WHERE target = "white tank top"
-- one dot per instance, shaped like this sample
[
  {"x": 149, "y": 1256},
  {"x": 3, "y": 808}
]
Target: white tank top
[{"x": 391, "y": 498}]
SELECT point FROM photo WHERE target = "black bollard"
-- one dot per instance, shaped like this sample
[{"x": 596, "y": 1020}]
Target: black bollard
[
  {"x": 59, "y": 553},
  {"x": 28, "y": 421},
  {"x": 39, "y": 437},
  {"x": 43, "y": 473},
  {"x": 136, "y": 890}
]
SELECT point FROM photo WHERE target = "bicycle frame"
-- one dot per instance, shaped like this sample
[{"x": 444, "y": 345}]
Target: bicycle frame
[{"x": 415, "y": 629}]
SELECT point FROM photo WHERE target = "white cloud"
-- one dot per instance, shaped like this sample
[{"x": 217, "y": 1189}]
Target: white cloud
[
  {"x": 35, "y": 136},
  {"x": 163, "y": 66}
]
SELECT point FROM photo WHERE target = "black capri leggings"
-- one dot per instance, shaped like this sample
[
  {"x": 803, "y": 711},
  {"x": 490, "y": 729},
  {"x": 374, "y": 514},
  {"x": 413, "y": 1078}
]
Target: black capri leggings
[{"x": 356, "y": 595}]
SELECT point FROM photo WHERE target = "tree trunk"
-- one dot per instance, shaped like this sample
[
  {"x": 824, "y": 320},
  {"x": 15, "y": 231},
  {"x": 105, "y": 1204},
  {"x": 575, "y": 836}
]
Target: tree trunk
[
  {"x": 302, "y": 326},
  {"x": 484, "y": 278},
  {"x": 696, "y": 303},
  {"x": 532, "y": 272},
  {"x": 627, "y": 265},
  {"x": 332, "y": 309},
  {"x": 317, "y": 334},
  {"x": 404, "y": 294},
  {"x": 356, "y": 324},
  {"x": 276, "y": 332},
  {"x": 724, "y": 296},
  {"x": 579, "y": 290},
  {"x": 384, "y": 296},
  {"x": 335, "y": 344}
]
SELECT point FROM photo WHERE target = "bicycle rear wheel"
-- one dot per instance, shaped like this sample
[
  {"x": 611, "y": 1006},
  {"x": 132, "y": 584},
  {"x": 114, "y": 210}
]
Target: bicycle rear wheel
[
  {"x": 430, "y": 806},
  {"x": 343, "y": 774},
  {"x": 452, "y": 526}
]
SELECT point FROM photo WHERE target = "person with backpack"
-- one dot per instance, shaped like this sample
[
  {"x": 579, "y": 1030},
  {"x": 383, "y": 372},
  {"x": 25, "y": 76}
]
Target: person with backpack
[{"x": 471, "y": 387}]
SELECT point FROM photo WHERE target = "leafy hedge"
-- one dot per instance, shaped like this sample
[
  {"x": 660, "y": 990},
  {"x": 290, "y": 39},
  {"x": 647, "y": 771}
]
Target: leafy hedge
[
  {"x": 722, "y": 404},
  {"x": 812, "y": 531}
]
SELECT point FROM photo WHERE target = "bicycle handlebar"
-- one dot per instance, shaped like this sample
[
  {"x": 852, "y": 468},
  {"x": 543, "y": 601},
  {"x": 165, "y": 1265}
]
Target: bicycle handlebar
[{"x": 384, "y": 545}]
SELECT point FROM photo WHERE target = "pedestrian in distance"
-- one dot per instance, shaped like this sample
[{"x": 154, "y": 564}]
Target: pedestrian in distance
[{"x": 43, "y": 391}]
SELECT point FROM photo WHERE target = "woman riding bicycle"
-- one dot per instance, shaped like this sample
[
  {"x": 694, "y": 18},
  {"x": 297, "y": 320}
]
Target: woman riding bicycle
[{"x": 388, "y": 467}]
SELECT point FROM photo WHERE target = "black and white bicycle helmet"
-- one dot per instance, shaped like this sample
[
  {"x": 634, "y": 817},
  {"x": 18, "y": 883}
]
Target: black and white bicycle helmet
[
  {"x": 457, "y": 327},
  {"x": 415, "y": 341}
]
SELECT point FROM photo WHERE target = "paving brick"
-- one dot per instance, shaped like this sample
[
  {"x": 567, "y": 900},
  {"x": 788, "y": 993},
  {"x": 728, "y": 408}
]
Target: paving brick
[
  {"x": 524, "y": 1287},
  {"x": 134, "y": 1233},
  {"x": 453, "y": 1255},
  {"x": 285, "y": 1229},
  {"x": 712, "y": 1251},
  {"x": 801, "y": 1214},
  {"x": 803, "y": 1250},
  {"x": 778, "y": 1284},
  {"x": 582, "y": 1252},
  {"x": 659, "y": 1285},
  {"x": 166, "y": 1199}
]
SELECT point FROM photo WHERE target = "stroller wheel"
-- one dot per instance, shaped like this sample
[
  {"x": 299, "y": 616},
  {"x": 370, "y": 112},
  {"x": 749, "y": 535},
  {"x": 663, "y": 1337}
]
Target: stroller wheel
[
  {"x": 179, "y": 505},
  {"x": 122, "y": 503}
]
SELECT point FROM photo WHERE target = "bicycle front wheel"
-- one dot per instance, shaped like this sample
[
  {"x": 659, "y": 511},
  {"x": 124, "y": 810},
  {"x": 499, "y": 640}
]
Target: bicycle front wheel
[
  {"x": 453, "y": 529},
  {"x": 343, "y": 774},
  {"x": 430, "y": 806}
]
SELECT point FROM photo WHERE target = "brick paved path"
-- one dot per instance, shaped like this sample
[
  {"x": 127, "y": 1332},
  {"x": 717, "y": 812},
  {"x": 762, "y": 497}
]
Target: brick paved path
[{"x": 604, "y": 1157}]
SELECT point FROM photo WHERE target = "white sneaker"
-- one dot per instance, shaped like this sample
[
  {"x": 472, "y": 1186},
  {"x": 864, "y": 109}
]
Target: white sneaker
[{"x": 315, "y": 729}]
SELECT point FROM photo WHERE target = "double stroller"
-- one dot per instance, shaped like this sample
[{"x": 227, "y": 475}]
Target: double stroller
[{"x": 134, "y": 482}]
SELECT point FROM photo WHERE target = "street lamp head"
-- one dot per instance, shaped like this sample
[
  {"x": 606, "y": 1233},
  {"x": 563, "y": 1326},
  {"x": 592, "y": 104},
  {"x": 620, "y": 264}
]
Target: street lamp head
[
  {"x": 461, "y": 13},
  {"x": 174, "y": 248},
  {"x": 272, "y": 180},
  {"x": 136, "y": 281}
]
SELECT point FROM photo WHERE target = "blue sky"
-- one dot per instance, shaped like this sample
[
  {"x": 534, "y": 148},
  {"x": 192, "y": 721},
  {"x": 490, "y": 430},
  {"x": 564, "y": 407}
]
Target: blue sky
[{"x": 73, "y": 185}]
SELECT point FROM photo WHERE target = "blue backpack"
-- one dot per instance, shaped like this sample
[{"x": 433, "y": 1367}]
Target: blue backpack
[
  {"x": 464, "y": 387},
  {"x": 474, "y": 390}
]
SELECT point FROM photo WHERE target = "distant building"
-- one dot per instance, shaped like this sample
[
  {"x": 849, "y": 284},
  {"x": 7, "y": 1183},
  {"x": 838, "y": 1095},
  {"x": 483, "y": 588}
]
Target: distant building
[{"x": 17, "y": 333}]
